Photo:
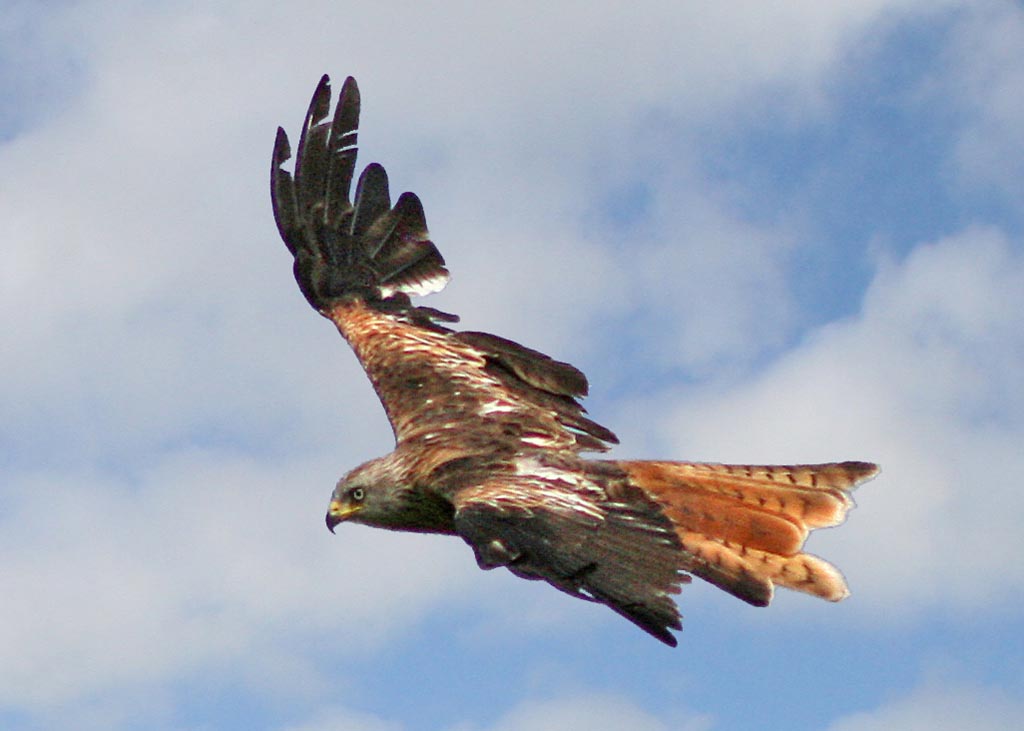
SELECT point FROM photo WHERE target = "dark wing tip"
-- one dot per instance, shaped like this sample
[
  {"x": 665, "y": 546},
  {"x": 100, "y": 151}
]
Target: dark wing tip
[
  {"x": 282, "y": 150},
  {"x": 348, "y": 246},
  {"x": 654, "y": 623},
  {"x": 282, "y": 193},
  {"x": 322, "y": 96}
]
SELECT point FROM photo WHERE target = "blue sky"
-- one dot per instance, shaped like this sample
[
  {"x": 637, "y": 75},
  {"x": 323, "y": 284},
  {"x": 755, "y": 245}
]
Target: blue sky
[{"x": 767, "y": 235}]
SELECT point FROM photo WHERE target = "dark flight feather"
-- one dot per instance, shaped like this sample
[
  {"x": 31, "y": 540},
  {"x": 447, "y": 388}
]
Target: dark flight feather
[
  {"x": 343, "y": 248},
  {"x": 537, "y": 369},
  {"x": 623, "y": 554}
]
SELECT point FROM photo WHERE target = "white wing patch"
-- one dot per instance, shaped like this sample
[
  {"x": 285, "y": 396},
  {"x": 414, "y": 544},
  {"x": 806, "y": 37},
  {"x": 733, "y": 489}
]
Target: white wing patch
[
  {"x": 529, "y": 466},
  {"x": 581, "y": 496},
  {"x": 496, "y": 406},
  {"x": 432, "y": 282}
]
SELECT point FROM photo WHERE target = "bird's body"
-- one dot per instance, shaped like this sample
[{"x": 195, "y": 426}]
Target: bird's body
[{"x": 489, "y": 433}]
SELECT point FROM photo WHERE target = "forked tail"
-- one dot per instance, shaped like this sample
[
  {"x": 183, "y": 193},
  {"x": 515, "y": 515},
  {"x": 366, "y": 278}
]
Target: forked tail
[{"x": 743, "y": 527}]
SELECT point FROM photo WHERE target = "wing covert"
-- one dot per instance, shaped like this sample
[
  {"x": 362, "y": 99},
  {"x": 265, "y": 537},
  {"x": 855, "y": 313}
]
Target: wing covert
[
  {"x": 441, "y": 389},
  {"x": 357, "y": 261}
]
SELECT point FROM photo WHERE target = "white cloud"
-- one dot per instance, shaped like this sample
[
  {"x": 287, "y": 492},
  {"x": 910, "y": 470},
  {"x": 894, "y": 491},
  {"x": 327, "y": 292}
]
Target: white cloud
[
  {"x": 571, "y": 712},
  {"x": 708, "y": 289},
  {"x": 933, "y": 706},
  {"x": 343, "y": 719},
  {"x": 940, "y": 707},
  {"x": 927, "y": 381},
  {"x": 593, "y": 713},
  {"x": 987, "y": 61}
]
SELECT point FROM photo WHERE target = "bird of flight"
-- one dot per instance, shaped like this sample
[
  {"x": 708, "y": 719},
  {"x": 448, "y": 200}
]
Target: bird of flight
[{"x": 489, "y": 433}]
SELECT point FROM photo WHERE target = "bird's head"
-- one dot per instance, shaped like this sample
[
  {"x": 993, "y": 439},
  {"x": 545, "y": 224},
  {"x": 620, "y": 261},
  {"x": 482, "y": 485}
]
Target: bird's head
[
  {"x": 375, "y": 494},
  {"x": 364, "y": 495}
]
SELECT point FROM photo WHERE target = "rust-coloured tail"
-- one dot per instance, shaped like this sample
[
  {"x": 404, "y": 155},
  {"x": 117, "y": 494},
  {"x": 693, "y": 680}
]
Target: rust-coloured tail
[{"x": 743, "y": 527}]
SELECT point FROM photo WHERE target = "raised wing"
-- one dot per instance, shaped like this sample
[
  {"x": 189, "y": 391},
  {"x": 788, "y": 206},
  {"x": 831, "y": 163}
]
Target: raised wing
[
  {"x": 357, "y": 262},
  {"x": 343, "y": 248},
  {"x": 584, "y": 530}
]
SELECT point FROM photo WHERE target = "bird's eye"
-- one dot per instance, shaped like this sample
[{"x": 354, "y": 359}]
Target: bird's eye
[{"x": 357, "y": 494}]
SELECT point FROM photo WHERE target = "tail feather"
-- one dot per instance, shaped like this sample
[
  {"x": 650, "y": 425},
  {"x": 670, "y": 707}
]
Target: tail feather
[{"x": 743, "y": 527}]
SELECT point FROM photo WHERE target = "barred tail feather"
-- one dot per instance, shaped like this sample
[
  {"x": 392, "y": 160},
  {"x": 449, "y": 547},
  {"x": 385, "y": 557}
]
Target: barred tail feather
[{"x": 742, "y": 528}]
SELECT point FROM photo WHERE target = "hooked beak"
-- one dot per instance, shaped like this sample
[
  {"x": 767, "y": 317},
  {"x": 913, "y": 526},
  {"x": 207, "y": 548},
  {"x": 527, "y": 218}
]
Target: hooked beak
[{"x": 338, "y": 512}]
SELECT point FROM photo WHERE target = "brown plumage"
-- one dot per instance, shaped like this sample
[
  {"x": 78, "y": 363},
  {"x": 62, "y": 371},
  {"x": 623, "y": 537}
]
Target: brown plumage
[{"x": 489, "y": 433}]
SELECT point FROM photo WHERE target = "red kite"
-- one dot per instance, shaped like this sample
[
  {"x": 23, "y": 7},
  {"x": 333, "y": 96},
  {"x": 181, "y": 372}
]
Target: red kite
[{"x": 489, "y": 434}]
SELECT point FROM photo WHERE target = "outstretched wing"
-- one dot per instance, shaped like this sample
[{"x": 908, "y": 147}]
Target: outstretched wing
[
  {"x": 358, "y": 261},
  {"x": 585, "y": 530}
]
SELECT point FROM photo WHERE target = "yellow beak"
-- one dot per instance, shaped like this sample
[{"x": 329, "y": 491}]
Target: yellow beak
[{"x": 338, "y": 512}]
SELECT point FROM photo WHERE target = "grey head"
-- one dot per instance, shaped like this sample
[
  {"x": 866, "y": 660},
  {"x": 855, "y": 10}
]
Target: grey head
[{"x": 374, "y": 494}]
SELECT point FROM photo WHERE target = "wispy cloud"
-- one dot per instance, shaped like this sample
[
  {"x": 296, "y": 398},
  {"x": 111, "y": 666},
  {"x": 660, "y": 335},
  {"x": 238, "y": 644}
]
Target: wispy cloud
[
  {"x": 987, "y": 70},
  {"x": 936, "y": 706}
]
